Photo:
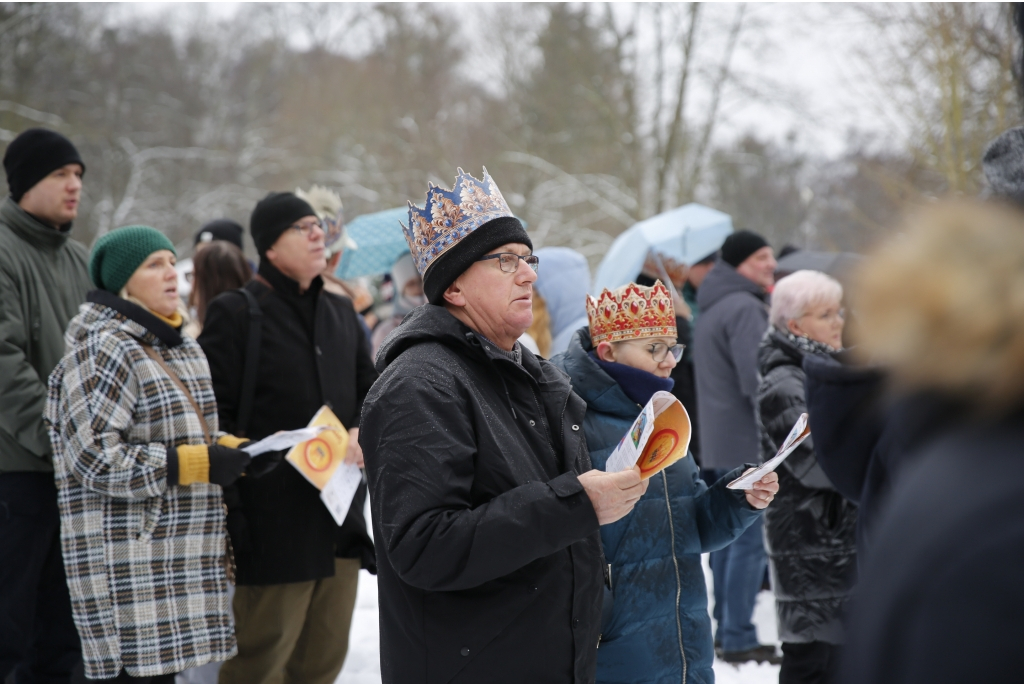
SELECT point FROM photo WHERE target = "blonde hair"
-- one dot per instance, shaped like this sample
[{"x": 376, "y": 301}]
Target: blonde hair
[
  {"x": 800, "y": 291},
  {"x": 540, "y": 329},
  {"x": 942, "y": 304}
]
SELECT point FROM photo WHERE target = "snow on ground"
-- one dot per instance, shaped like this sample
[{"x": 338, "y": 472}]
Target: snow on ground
[
  {"x": 362, "y": 665},
  {"x": 363, "y": 662}
]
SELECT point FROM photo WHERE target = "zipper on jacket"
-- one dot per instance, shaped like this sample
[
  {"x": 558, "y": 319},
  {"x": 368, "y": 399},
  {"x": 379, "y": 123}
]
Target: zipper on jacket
[{"x": 679, "y": 584}]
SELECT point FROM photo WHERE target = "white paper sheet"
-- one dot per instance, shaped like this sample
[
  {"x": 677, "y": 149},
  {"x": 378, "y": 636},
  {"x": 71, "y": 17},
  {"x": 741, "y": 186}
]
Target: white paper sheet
[
  {"x": 796, "y": 436},
  {"x": 340, "y": 490},
  {"x": 285, "y": 440}
]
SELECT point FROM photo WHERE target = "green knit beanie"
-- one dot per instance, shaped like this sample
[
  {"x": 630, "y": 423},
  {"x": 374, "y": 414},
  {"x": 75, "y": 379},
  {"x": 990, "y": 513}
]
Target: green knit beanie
[{"x": 117, "y": 255}]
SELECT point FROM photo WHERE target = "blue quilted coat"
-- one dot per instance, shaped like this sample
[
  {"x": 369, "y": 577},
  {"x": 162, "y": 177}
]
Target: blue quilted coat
[{"x": 658, "y": 630}]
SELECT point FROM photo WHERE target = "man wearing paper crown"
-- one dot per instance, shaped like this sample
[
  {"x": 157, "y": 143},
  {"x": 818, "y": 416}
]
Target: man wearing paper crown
[
  {"x": 655, "y": 627},
  {"x": 486, "y": 511}
]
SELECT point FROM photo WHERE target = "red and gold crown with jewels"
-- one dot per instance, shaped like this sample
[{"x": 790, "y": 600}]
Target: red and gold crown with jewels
[{"x": 630, "y": 312}]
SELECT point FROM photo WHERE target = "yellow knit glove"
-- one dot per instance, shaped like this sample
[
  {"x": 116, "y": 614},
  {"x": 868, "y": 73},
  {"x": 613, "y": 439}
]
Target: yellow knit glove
[
  {"x": 193, "y": 464},
  {"x": 228, "y": 440}
]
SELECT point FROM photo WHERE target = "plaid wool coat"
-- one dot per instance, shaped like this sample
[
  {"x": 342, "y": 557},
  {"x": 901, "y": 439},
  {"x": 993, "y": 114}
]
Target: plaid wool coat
[{"x": 145, "y": 561}]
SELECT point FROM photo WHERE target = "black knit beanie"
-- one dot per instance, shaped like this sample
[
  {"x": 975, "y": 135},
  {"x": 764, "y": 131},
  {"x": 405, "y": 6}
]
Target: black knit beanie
[
  {"x": 220, "y": 229},
  {"x": 272, "y": 217},
  {"x": 449, "y": 266},
  {"x": 34, "y": 155},
  {"x": 740, "y": 245}
]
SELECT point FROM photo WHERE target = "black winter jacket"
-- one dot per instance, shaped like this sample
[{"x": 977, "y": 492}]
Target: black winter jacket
[
  {"x": 939, "y": 595},
  {"x": 810, "y": 528},
  {"x": 489, "y": 552},
  {"x": 312, "y": 352},
  {"x": 861, "y": 435}
]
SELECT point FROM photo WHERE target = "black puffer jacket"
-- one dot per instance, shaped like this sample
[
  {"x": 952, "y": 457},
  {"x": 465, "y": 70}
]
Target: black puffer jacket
[
  {"x": 810, "y": 528},
  {"x": 489, "y": 552}
]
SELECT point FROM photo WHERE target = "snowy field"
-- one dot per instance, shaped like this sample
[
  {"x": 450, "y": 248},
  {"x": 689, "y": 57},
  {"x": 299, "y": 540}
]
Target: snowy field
[{"x": 363, "y": 662}]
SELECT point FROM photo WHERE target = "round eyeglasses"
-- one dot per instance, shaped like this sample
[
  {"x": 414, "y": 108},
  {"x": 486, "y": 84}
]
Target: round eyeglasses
[
  {"x": 659, "y": 351},
  {"x": 509, "y": 261}
]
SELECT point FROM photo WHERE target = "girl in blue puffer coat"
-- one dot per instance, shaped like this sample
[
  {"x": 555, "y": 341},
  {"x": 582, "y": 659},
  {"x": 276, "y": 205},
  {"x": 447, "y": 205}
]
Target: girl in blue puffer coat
[{"x": 656, "y": 628}]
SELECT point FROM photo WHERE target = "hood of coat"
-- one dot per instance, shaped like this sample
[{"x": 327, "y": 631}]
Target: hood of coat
[
  {"x": 562, "y": 282},
  {"x": 429, "y": 323},
  {"x": 105, "y": 312},
  {"x": 724, "y": 280},
  {"x": 599, "y": 390}
]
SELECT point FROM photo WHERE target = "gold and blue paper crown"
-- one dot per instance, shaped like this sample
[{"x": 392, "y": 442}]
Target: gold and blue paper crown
[{"x": 450, "y": 215}]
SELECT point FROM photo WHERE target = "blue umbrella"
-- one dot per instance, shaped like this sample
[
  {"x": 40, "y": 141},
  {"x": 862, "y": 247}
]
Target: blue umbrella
[
  {"x": 379, "y": 242},
  {"x": 687, "y": 234}
]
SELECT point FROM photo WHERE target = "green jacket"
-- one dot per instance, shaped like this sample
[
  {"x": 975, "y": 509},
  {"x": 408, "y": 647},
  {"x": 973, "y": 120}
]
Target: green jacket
[{"x": 44, "y": 277}]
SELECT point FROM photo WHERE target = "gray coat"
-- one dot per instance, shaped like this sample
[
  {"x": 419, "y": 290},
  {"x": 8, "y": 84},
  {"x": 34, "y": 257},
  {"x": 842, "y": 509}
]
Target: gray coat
[
  {"x": 43, "y": 280},
  {"x": 733, "y": 318}
]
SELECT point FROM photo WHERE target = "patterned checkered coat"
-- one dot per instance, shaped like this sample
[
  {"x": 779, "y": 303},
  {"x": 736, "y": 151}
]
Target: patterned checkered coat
[{"x": 144, "y": 560}]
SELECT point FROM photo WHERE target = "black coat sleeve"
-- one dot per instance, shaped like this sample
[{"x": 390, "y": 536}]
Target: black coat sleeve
[
  {"x": 421, "y": 460},
  {"x": 846, "y": 418},
  {"x": 780, "y": 403},
  {"x": 223, "y": 341}
]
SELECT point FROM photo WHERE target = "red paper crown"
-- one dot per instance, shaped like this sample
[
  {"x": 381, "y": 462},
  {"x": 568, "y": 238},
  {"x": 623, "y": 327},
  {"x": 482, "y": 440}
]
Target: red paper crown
[{"x": 630, "y": 312}]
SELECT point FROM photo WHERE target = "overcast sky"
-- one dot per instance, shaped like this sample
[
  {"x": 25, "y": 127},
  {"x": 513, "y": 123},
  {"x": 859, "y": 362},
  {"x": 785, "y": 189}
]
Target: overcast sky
[{"x": 808, "y": 53}]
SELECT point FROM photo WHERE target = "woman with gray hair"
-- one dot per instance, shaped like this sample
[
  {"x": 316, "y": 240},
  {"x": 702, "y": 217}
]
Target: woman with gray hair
[{"x": 810, "y": 530}]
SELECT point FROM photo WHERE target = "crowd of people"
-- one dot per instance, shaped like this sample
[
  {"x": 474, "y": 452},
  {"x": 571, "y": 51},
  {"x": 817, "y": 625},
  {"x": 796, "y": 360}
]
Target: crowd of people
[{"x": 139, "y": 538}]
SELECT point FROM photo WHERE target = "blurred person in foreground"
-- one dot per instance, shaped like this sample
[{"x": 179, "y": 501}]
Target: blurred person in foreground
[
  {"x": 220, "y": 266},
  {"x": 297, "y": 569},
  {"x": 810, "y": 530},
  {"x": 43, "y": 279},
  {"x": 408, "y": 295},
  {"x": 559, "y": 298},
  {"x": 140, "y": 462},
  {"x": 733, "y": 300},
  {"x": 656, "y": 626},
  {"x": 485, "y": 506},
  {"x": 862, "y": 434},
  {"x": 941, "y": 308}
]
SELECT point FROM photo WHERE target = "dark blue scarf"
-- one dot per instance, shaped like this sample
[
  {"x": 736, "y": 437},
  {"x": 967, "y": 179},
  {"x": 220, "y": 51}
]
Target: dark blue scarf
[{"x": 639, "y": 385}]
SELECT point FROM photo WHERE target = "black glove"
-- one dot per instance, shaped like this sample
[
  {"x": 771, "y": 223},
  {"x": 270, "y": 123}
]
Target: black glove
[
  {"x": 227, "y": 464},
  {"x": 262, "y": 464}
]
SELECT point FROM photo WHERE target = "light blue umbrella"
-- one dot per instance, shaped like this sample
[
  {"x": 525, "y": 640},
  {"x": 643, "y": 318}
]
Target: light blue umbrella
[
  {"x": 687, "y": 234},
  {"x": 379, "y": 242}
]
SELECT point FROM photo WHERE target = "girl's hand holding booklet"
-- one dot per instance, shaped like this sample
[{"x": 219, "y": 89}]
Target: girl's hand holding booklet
[{"x": 801, "y": 431}]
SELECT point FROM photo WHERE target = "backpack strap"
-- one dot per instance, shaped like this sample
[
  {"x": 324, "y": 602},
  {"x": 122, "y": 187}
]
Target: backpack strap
[
  {"x": 252, "y": 358},
  {"x": 155, "y": 356}
]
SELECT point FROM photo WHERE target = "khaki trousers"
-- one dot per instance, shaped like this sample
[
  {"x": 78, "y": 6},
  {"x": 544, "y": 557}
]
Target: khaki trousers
[{"x": 295, "y": 632}]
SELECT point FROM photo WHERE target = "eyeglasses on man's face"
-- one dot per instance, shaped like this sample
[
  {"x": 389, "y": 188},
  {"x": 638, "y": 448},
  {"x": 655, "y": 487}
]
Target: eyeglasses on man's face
[
  {"x": 305, "y": 228},
  {"x": 659, "y": 351},
  {"x": 509, "y": 261}
]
